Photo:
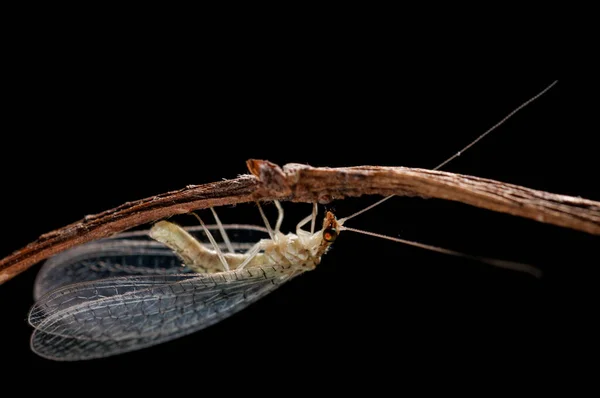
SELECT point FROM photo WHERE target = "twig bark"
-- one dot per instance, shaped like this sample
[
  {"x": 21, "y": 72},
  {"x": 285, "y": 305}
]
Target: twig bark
[{"x": 302, "y": 183}]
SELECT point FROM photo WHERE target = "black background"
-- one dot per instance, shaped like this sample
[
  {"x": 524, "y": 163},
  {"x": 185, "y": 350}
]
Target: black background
[{"x": 94, "y": 132}]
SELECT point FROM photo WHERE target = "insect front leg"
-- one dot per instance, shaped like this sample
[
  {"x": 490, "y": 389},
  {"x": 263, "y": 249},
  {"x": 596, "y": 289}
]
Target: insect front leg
[{"x": 312, "y": 218}]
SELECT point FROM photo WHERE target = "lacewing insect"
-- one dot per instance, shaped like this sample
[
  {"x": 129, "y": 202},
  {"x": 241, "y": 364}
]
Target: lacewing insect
[{"x": 130, "y": 291}]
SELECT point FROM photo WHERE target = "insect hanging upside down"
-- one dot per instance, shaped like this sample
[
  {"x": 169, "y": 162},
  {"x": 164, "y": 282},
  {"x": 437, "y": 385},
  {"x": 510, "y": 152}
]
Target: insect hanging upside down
[
  {"x": 297, "y": 252},
  {"x": 128, "y": 292}
]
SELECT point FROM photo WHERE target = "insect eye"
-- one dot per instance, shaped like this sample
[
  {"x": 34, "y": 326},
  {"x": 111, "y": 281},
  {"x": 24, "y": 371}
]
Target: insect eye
[{"x": 330, "y": 234}]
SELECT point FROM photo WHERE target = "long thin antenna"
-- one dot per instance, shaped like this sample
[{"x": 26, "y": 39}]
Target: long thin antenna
[
  {"x": 495, "y": 126},
  {"x": 492, "y": 261},
  {"x": 380, "y": 201},
  {"x": 445, "y": 162}
]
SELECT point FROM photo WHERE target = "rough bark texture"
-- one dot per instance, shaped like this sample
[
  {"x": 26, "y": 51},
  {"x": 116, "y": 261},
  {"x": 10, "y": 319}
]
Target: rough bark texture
[{"x": 301, "y": 183}]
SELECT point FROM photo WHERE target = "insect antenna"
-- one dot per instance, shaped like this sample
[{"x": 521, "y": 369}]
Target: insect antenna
[
  {"x": 492, "y": 261},
  {"x": 496, "y": 262},
  {"x": 495, "y": 126},
  {"x": 457, "y": 154}
]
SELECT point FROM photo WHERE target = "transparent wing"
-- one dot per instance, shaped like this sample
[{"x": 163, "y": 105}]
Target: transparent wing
[
  {"x": 129, "y": 292},
  {"x": 102, "y": 260},
  {"x": 101, "y": 318},
  {"x": 131, "y": 253}
]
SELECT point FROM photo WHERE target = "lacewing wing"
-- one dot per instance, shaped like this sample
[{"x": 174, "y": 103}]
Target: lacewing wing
[{"x": 129, "y": 292}]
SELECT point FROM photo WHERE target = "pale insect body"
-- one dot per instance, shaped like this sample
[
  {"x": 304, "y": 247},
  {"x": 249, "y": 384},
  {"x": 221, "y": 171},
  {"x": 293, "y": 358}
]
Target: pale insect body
[
  {"x": 128, "y": 292},
  {"x": 301, "y": 251}
]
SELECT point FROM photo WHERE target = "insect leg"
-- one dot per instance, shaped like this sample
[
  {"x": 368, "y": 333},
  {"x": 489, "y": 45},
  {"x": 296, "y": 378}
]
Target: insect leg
[
  {"x": 222, "y": 230},
  {"x": 312, "y": 218},
  {"x": 265, "y": 220},
  {"x": 214, "y": 243},
  {"x": 250, "y": 254},
  {"x": 279, "y": 216}
]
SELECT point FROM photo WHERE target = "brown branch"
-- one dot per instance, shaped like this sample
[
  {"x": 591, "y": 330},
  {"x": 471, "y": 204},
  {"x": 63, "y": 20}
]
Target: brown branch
[{"x": 301, "y": 183}]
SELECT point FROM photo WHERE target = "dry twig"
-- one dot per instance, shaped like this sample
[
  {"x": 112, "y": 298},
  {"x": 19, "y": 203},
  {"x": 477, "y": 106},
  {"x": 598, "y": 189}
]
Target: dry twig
[{"x": 302, "y": 183}]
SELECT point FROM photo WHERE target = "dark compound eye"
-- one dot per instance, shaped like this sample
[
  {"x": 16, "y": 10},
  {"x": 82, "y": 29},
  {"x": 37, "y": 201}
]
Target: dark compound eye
[{"x": 330, "y": 234}]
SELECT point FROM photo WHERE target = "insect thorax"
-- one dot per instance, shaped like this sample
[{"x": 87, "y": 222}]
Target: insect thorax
[{"x": 297, "y": 251}]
